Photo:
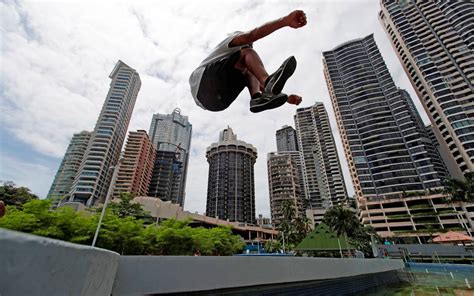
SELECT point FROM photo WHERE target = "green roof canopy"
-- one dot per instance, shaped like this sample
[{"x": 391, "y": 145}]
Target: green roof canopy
[{"x": 322, "y": 238}]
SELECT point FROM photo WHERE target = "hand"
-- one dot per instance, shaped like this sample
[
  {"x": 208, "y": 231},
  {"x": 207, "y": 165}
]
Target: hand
[
  {"x": 296, "y": 19},
  {"x": 294, "y": 99}
]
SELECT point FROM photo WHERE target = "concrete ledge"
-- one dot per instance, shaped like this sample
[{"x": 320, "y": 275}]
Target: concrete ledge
[
  {"x": 138, "y": 275},
  {"x": 34, "y": 265}
]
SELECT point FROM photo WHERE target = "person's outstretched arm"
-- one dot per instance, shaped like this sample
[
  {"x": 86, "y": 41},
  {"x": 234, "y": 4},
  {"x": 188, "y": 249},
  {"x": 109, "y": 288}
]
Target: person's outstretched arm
[{"x": 295, "y": 19}]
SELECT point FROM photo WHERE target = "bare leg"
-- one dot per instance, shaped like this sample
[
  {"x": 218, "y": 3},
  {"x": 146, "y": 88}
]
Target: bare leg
[
  {"x": 251, "y": 62},
  {"x": 252, "y": 83},
  {"x": 252, "y": 67}
]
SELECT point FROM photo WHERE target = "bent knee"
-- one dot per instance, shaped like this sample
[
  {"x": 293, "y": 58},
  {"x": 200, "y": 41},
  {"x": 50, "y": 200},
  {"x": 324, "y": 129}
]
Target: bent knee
[{"x": 247, "y": 50}]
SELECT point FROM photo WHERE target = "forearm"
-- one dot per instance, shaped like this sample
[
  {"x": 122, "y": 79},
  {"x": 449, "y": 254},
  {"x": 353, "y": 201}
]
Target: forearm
[
  {"x": 267, "y": 29},
  {"x": 259, "y": 32},
  {"x": 296, "y": 19}
]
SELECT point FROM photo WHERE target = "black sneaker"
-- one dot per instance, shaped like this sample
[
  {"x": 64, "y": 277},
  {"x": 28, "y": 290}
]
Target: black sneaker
[
  {"x": 267, "y": 101},
  {"x": 277, "y": 80}
]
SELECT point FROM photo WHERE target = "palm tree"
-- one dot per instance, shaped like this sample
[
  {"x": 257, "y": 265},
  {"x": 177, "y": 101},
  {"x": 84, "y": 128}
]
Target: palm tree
[
  {"x": 460, "y": 190},
  {"x": 293, "y": 229},
  {"x": 288, "y": 210},
  {"x": 343, "y": 221}
]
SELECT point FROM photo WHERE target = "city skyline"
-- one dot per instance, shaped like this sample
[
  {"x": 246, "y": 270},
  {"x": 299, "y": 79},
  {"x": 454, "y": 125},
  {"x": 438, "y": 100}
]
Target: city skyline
[{"x": 40, "y": 152}]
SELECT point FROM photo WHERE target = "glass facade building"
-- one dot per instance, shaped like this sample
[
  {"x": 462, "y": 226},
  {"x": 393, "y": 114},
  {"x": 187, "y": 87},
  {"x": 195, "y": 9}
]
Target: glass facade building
[
  {"x": 69, "y": 166},
  {"x": 387, "y": 148},
  {"x": 170, "y": 133},
  {"x": 434, "y": 40}
]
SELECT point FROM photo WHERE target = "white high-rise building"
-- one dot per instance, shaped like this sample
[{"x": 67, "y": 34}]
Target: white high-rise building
[
  {"x": 322, "y": 173},
  {"x": 95, "y": 174}
]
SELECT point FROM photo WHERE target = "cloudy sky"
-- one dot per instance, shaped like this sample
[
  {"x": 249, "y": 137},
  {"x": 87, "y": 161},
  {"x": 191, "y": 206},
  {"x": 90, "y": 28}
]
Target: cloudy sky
[{"x": 56, "y": 57}]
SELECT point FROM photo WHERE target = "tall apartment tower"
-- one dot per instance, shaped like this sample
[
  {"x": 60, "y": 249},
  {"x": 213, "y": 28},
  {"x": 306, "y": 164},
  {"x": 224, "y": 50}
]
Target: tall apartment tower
[
  {"x": 388, "y": 152},
  {"x": 231, "y": 185},
  {"x": 166, "y": 176},
  {"x": 135, "y": 169},
  {"x": 286, "y": 139},
  {"x": 322, "y": 173},
  {"x": 171, "y": 136},
  {"x": 95, "y": 174},
  {"x": 69, "y": 166},
  {"x": 284, "y": 184},
  {"x": 434, "y": 41}
]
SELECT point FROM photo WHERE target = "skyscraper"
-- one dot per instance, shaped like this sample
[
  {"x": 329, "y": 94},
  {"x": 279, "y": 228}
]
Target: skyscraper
[
  {"x": 387, "y": 152},
  {"x": 231, "y": 185},
  {"x": 134, "y": 174},
  {"x": 166, "y": 176},
  {"x": 322, "y": 173},
  {"x": 434, "y": 41},
  {"x": 284, "y": 184},
  {"x": 394, "y": 165},
  {"x": 69, "y": 166},
  {"x": 94, "y": 176},
  {"x": 170, "y": 133},
  {"x": 286, "y": 139}
]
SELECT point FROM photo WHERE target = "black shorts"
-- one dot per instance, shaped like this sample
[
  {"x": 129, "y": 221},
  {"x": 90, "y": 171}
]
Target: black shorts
[{"x": 221, "y": 83}]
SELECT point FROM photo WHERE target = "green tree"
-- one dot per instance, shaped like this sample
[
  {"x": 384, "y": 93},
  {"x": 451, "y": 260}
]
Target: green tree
[
  {"x": 342, "y": 220},
  {"x": 12, "y": 195},
  {"x": 345, "y": 223},
  {"x": 125, "y": 235},
  {"x": 460, "y": 190},
  {"x": 174, "y": 237},
  {"x": 122, "y": 235},
  {"x": 125, "y": 207},
  {"x": 273, "y": 246},
  {"x": 292, "y": 229},
  {"x": 37, "y": 218}
]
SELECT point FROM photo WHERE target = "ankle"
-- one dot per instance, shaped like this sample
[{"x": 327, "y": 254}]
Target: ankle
[
  {"x": 266, "y": 81},
  {"x": 256, "y": 95}
]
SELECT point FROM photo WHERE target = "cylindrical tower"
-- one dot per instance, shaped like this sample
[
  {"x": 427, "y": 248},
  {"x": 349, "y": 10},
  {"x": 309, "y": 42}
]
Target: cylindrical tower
[{"x": 231, "y": 186}]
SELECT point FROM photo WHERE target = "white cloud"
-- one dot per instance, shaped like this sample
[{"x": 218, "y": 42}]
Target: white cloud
[{"x": 56, "y": 58}]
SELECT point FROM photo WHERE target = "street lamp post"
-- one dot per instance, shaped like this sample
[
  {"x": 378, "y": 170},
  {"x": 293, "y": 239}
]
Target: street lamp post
[{"x": 109, "y": 193}]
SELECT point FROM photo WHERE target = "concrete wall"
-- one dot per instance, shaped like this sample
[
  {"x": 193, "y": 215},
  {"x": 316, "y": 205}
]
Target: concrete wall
[
  {"x": 33, "y": 265},
  {"x": 138, "y": 275}
]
